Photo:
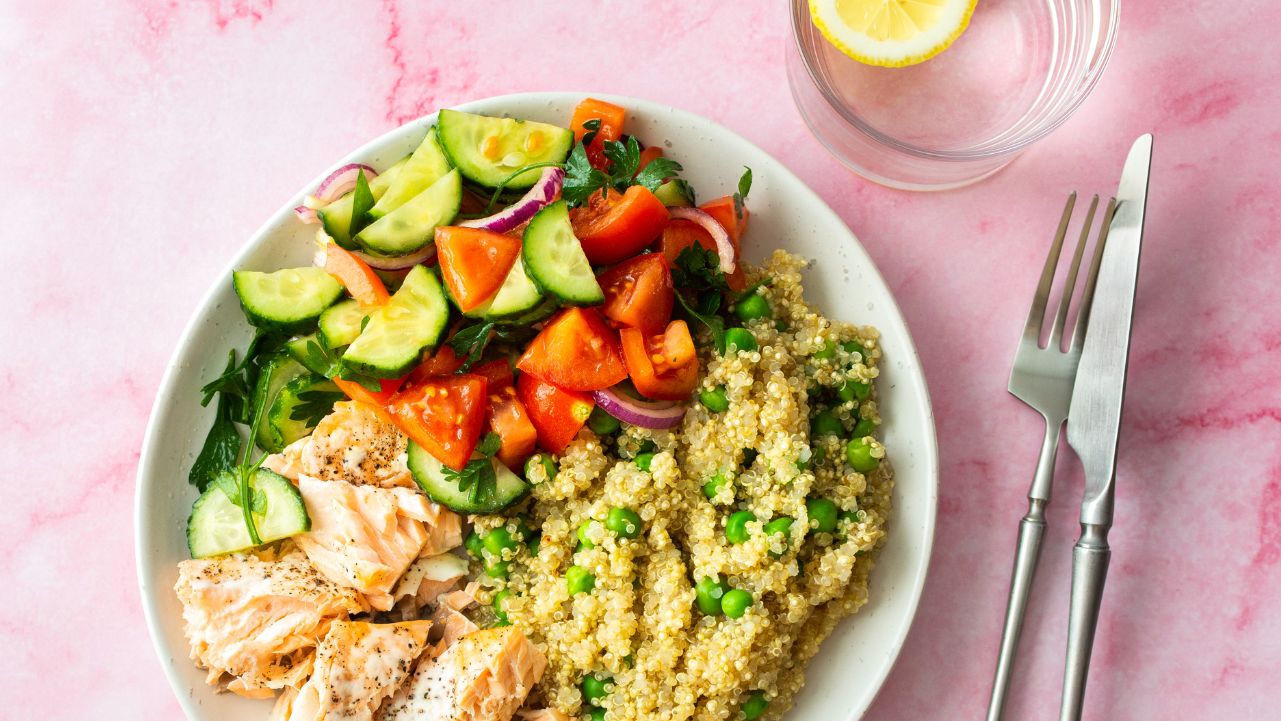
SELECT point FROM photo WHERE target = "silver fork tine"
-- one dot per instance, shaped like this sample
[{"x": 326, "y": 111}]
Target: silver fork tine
[
  {"x": 1069, "y": 287},
  {"x": 1036, "y": 315},
  {"x": 1091, "y": 279}
]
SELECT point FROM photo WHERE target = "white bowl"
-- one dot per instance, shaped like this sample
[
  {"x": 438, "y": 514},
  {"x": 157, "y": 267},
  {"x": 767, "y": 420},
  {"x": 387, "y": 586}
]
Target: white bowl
[{"x": 842, "y": 281}]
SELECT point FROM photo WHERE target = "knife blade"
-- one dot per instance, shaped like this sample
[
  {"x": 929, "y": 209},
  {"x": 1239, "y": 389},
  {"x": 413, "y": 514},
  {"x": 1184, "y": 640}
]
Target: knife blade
[{"x": 1094, "y": 417}]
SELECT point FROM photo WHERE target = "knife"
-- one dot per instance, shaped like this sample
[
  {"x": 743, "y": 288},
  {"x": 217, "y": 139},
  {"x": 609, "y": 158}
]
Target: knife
[{"x": 1094, "y": 417}]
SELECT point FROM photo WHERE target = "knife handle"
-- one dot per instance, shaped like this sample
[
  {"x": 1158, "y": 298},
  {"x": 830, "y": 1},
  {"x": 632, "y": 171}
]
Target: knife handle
[{"x": 1090, "y": 559}]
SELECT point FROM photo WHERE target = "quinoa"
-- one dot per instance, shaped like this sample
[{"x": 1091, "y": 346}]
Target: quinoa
[{"x": 640, "y": 625}]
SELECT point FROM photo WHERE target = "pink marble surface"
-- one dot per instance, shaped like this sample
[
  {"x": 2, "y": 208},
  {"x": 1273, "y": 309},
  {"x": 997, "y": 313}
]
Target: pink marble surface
[{"x": 145, "y": 140}]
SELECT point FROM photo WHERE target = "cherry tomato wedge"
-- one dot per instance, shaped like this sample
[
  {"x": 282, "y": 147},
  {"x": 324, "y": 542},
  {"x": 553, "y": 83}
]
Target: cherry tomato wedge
[
  {"x": 497, "y": 372},
  {"x": 619, "y": 225},
  {"x": 509, "y": 419},
  {"x": 357, "y": 392},
  {"x": 681, "y": 234},
  {"x": 441, "y": 363},
  {"x": 722, "y": 209},
  {"x": 557, "y": 414},
  {"x": 356, "y": 276},
  {"x": 639, "y": 293},
  {"x": 577, "y": 351},
  {"x": 443, "y": 415},
  {"x": 474, "y": 263},
  {"x": 611, "y": 119},
  {"x": 662, "y": 366}
]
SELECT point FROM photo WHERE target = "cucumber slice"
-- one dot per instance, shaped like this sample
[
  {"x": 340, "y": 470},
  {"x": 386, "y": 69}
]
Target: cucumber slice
[
  {"x": 427, "y": 165},
  {"x": 335, "y": 218},
  {"x": 429, "y": 474},
  {"x": 398, "y": 332},
  {"x": 340, "y": 323},
  {"x": 675, "y": 193},
  {"x": 413, "y": 225},
  {"x": 488, "y": 150},
  {"x": 540, "y": 312},
  {"x": 279, "y": 370},
  {"x": 554, "y": 258},
  {"x": 217, "y": 525},
  {"x": 316, "y": 392},
  {"x": 288, "y": 300},
  {"x": 297, "y": 348},
  {"x": 516, "y": 296}
]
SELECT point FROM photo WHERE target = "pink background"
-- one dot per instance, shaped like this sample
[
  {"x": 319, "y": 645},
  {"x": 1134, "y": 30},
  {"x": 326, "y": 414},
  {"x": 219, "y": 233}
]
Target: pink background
[{"x": 143, "y": 142}]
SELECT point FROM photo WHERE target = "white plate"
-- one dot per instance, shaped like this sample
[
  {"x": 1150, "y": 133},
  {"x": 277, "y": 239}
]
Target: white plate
[{"x": 842, "y": 281}]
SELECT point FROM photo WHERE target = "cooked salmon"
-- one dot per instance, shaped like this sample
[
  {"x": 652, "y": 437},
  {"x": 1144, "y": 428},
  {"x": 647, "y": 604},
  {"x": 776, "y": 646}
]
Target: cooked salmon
[
  {"x": 485, "y": 676},
  {"x": 542, "y": 714},
  {"x": 427, "y": 578},
  {"x": 257, "y": 618},
  {"x": 357, "y": 666},
  {"x": 364, "y": 537},
  {"x": 357, "y": 444},
  {"x": 451, "y": 623}
]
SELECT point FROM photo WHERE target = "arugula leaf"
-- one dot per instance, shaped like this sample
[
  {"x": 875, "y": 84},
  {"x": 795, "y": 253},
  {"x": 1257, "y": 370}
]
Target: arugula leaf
[
  {"x": 581, "y": 179},
  {"x": 699, "y": 269},
  {"x": 658, "y": 170},
  {"x": 362, "y": 200},
  {"x": 314, "y": 405},
  {"x": 744, "y": 187},
  {"x": 469, "y": 343},
  {"x": 592, "y": 127},
  {"x": 221, "y": 448}
]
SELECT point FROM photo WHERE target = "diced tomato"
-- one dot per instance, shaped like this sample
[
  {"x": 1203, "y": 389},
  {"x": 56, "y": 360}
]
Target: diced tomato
[
  {"x": 638, "y": 293},
  {"x": 356, "y": 276},
  {"x": 509, "y": 419},
  {"x": 662, "y": 366},
  {"x": 619, "y": 225},
  {"x": 647, "y": 156},
  {"x": 443, "y": 415},
  {"x": 576, "y": 350},
  {"x": 722, "y": 209},
  {"x": 474, "y": 263},
  {"x": 611, "y": 127},
  {"x": 357, "y": 392},
  {"x": 681, "y": 234},
  {"x": 441, "y": 363},
  {"x": 497, "y": 372},
  {"x": 557, "y": 414}
]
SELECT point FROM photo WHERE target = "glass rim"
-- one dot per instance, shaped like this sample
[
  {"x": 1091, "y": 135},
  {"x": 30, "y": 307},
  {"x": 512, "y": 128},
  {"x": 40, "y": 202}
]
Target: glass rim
[{"x": 1093, "y": 70}]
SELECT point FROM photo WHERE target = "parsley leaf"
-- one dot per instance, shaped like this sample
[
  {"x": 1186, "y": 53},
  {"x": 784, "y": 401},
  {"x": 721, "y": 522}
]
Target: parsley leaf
[
  {"x": 477, "y": 479},
  {"x": 469, "y": 343},
  {"x": 369, "y": 383},
  {"x": 624, "y": 161},
  {"x": 658, "y": 170},
  {"x": 319, "y": 359},
  {"x": 314, "y": 405},
  {"x": 592, "y": 127},
  {"x": 706, "y": 314},
  {"x": 581, "y": 179},
  {"x": 698, "y": 269},
  {"x": 744, "y": 187},
  {"x": 229, "y": 483},
  {"x": 751, "y": 289},
  {"x": 489, "y": 445},
  {"x": 221, "y": 448},
  {"x": 362, "y": 201}
]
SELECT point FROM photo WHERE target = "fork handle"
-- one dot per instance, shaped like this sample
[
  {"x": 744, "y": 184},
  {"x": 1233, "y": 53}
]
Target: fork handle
[
  {"x": 1026, "y": 556},
  {"x": 1090, "y": 559}
]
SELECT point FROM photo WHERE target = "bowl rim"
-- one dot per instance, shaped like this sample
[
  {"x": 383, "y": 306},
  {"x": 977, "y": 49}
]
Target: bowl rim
[{"x": 146, "y": 480}]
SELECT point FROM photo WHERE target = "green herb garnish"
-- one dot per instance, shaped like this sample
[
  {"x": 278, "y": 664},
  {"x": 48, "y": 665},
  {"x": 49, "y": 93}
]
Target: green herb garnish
[
  {"x": 314, "y": 405},
  {"x": 477, "y": 479},
  {"x": 362, "y": 201},
  {"x": 744, "y": 187}
]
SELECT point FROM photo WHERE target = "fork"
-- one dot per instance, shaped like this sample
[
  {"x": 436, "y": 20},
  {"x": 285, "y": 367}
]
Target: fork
[{"x": 1042, "y": 377}]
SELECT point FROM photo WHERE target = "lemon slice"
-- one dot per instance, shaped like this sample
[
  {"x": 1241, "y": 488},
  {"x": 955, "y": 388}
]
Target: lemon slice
[{"x": 891, "y": 33}]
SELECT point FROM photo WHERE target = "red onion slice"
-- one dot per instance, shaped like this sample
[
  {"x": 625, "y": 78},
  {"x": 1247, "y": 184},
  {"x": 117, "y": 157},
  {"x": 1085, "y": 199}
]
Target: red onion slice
[
  {"x": 400, "y": 262},
  {"x": 724, "y": 246},
  {"x": 333, "y": 187},
  {"x": 645, "y": 414},
  {"x": 543, "y": 192}
]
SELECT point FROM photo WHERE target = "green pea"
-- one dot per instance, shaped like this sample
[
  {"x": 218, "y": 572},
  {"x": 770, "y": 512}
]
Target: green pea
[
  {"x": 714, "y": 400},
  {"x": 736, "y": 602},
  {"x": 497, "y": 540},
  {"x": 853, "y": 516},
  {"x": 826, "y": 423},
  {"x": 783, "y": 525},
  {"x": 596, "y": 713},
  {"x": 749, "y": 457},
  {"x": 752, "y": 307},
  {"x": 497, "y": 569},
  {"x": 736, "y": 526},
  {"x": 623, "y": 522},
  {"x": 851, "y": 390},
  {"x": 499, "y": 599},
  {"x": 859, "y": 454},
  {"x": 474, "y": 545},
  {"x": 739, "y": 339},
  {"x": 579, "y": 580},
  {"x": 864, "y": 428},
  {"x": 713, "y": 486},
  {"x": 594, "y": 688},
  {"x": 583, "y": 541},
  {"x": 754, "y": 706},
  {"x": 543, "y": 459},
  {"x": 853, "y": 346},
  {"x": 822, "y": 513},
  {"x": 708, "y": 593},
  {"x": 827, "y": 352},
  {"x": 644, "y": 460},
  {"x": 602, "y": 423}
]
